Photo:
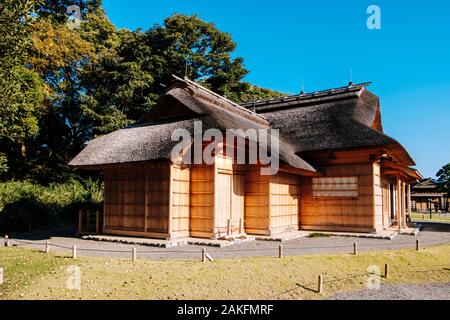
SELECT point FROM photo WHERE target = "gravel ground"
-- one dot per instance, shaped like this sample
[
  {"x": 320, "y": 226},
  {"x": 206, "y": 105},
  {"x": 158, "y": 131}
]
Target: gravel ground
[
  {"x": 400, "y": 292},
  {"x": 431, "y": 234}
]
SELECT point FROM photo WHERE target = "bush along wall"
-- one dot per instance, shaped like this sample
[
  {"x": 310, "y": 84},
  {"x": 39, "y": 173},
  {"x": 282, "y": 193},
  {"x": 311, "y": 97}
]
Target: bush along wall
[{"x": 27, "y": 206}]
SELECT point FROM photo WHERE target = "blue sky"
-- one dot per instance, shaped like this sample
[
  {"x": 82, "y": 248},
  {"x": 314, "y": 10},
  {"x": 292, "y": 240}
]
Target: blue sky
[{"x": 285, "y": 41}]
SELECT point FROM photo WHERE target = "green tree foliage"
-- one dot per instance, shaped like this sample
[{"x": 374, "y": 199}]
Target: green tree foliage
[
  {"x": 25, "y": 206},
  {"x": 444, "y": 177},
  {"x": 65, "y": 86},
  {"x": 22, "y": 90}
]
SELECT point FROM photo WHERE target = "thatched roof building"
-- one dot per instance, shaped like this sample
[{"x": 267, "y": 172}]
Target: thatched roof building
[{"x": 339, "y": 170}]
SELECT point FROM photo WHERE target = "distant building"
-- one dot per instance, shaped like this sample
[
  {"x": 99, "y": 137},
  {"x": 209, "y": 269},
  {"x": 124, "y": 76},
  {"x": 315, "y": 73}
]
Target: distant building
[{"x": 425, "y": 194}]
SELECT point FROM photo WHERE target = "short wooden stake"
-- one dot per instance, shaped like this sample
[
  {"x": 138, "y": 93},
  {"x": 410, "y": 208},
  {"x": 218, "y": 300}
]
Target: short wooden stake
[
  {"x": 6, "y": 241},
  {"x": 355, "y": 248},
  {"x": 74, "y": 252},
  {"x": 203, "y": 255},
  {"x": 280, "y": 251},
  {"x": 47, "y": 247},
  {"x": 386, "y": 270},
  {"x": 320, "y": 285},
  {"x": 134, "y": 254},
  {"x": 417, "y": 244}
]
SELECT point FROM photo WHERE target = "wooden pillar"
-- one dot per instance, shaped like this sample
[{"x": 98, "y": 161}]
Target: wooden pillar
[
  {"x": 409, "y": 202},
  {"x": 403, "y": 204},
  {"x": 88, "y": 220},
  {"x": 170, "y": 217},
  {"x": 398, "y": 202},
  {"x": 146, "y": 200},
  {"x": 96, "y": 221},
  {"x": 80, "y": 223}
]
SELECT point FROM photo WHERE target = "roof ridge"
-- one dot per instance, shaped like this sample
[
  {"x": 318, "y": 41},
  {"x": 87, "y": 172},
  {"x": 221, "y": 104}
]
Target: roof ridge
[
  {"x": 234, "y": 104},
  {"x": 310, "y": 95}
]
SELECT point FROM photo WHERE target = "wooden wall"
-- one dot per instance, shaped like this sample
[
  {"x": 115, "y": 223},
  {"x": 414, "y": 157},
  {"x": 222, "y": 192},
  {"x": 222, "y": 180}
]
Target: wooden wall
[
  {"x": 284, "y": 203},
  {"x": 180, "y": 202},
  {"x": 386, "y": 198},
  {"x": 229, "y": 197},
  {"x": 340, "y": 213},
  {"x": 271, "y": 202},
  {"x": 137, "y": 200},
  {"x": 202, "y": 201},
  {"x": 257, "y": 218},
  {"x": 377, "y": 198}
]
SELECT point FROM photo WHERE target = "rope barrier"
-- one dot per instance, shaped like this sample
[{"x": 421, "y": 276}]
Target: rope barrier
[{"x": 272, "y": 249}]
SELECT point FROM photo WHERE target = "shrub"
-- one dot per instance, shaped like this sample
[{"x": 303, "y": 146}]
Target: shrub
[{"x": 25, "y": 205}]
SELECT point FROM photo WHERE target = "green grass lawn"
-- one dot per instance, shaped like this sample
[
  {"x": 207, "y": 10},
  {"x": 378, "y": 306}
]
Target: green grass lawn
[
  {"x": 30, "y": 274},
  {"x": 426, "y": 217}
]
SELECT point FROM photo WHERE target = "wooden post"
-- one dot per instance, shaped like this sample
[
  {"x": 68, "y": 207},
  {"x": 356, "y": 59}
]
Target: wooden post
[
  {"x": 404, "y": 204},
  {"x": 280, "y": 251},
  {"x": 399, "y": 204},
  {"x": 74, "y": 252},
  {"x": 241, "y": 226},
  {"x": 409, "y": 206},
  {"x": 88, "y": 220},
  {"x": 431, "y": 210},
  {"x": 80, "y": 224},
  {"x": 355, "y": 248},
  {"x": 6, "y": 241},
  {"x": 134, "y": 254},
  {"x": 203, "y": 255},
  {"x": 320, "y": 285},
  {"x": 228, "y": 227},
  {"x": 96, "y": 221},
  {"x": 418, "y": 245},
  {"x": 47, "y": 247},
  {"x": 386, "y": 271}
]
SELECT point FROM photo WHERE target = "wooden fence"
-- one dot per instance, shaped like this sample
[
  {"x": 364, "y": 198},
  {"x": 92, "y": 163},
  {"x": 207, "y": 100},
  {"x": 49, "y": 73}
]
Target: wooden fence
[{"x": 90, "y": 222}]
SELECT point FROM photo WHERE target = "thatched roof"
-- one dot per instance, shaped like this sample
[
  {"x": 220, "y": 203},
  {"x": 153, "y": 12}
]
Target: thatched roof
[
  {"x": 184, "y": 103},
  {"x": 337, "y": 119},
  {"x": 342, "y": 118}
]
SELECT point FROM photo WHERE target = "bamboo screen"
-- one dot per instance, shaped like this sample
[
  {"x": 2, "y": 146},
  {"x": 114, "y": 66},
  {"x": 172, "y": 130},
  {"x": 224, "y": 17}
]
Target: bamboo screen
[{"x": 335, "y": 187}]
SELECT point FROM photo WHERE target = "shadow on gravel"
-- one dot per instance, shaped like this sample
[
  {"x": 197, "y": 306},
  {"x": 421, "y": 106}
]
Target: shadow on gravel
[
  {"x": 44, "y": 234},
  {"x": 435, "y": 226}
]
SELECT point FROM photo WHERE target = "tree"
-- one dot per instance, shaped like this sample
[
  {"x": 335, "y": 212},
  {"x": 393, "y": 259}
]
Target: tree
[
  {"x": 22, "y": 90},
  {"x": 444, "y": 181}
]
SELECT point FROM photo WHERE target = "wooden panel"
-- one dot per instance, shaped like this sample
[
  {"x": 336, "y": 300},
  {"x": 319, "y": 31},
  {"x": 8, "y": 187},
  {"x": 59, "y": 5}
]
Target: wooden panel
[
  {"x": 257, "y": 220},
  {"x": 229, "y": 198},
  {"x": 284, "y": 203},
  {"x": 180, "y": 201},
  {"x": 223, "y": 204},
  {"x": 202, "y": 201},
  {"x": 378, "y": 198},
  {"x": 339, "y": 214},
  {"x": 386, "y": 201},
  {"x": 238, "y": 203},
  {"x": 136, "y": 199}
]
